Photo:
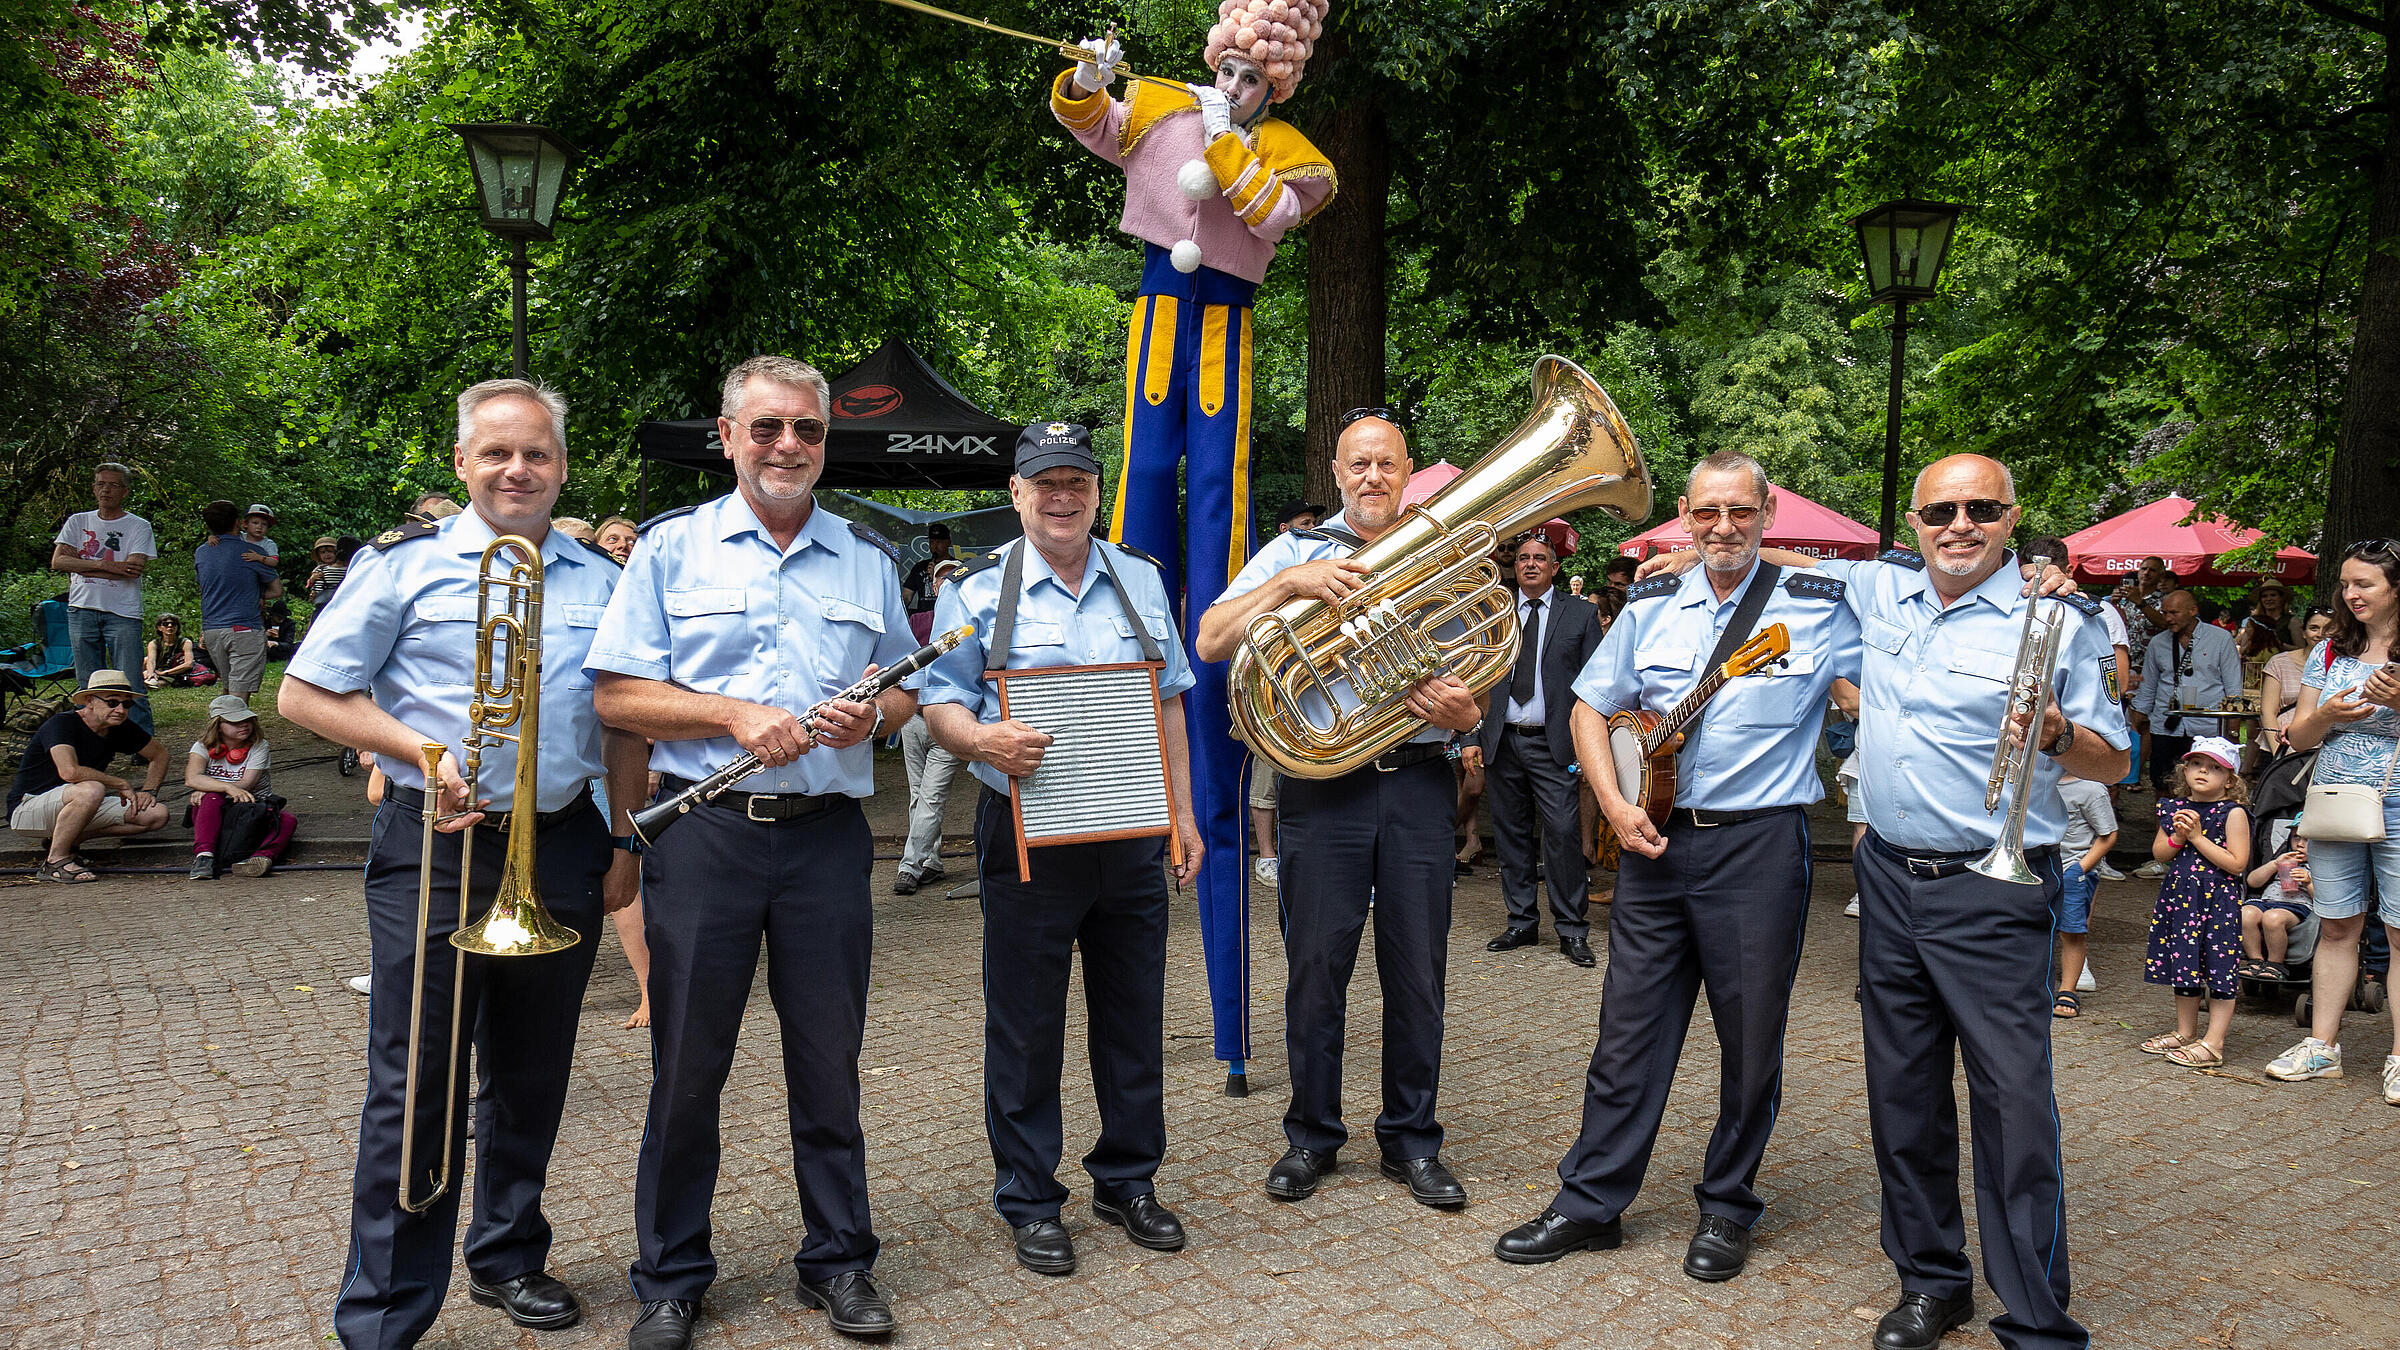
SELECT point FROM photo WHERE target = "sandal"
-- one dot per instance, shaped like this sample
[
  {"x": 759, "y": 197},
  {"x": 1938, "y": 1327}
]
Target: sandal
[
  {"x": 2274, "y": 970},
  {"x": 2159, "y": 1045},
  {"x": 66, "y": 870},
  {"x": 2065, "y": 1005},
  {"x": 2195, "y": 1055},
  {"x": 2248, "y": 969}
]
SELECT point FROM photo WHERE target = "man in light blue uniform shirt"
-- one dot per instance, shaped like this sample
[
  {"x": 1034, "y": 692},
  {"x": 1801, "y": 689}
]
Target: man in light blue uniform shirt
[
  {"x": 2188, "y": 665},
  {"x": 1058, "y": 597},
  {"x": 1719, "y": 897},
  {"x": 388, "y": 667},
  {"x": 1380, "y": 834},
  {"x": 1949, "y": 958},
  {"x": 735, "y": 618}
]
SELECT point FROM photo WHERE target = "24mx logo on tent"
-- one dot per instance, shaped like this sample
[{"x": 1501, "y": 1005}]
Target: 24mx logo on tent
[{"x": 901, "y": 443}]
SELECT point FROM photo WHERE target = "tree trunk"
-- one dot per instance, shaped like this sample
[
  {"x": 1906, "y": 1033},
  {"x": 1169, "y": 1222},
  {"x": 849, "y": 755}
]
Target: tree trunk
[
  {"x": 1346, "y": 302},
  {"x": 2364, "y": 496}
]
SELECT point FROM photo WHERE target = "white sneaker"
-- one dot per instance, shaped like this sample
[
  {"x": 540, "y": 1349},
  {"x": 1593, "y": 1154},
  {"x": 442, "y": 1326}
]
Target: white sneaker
[
  {"x": 2391, "y": 1080},
  {"x": 2107, "y": 873},
  {"x": 361, "y": 984},
  {"x": 2084, "y": 983},
  {"x": 1269, "y": 871},
  {"x": 2152, "y": 869},
  {"x": 2311, "y": 1058},
  {"x": 1851, "y": 909}
]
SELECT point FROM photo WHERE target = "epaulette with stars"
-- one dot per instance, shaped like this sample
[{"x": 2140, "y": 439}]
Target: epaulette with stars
[
  {"x": 1130, "y": 549},
  {"x": 664, "y": 516},
  {"x": 868, "y": 535},
  {"x": 1903, "y": 557},
  {"x": 1653, "y": 588},
  {"x": 1813, "y": 585},
  {"x": 402, "y": 533},
  {"x": 983, "y": 564},
  {"x": 2087, "y": 605}
]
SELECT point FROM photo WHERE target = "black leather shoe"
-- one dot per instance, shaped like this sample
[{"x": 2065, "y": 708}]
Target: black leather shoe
[
  {"x": 1429, "y": 1181},
  {"x": 1149, "y": 1223},
  {"x": 1512, "y": 939},
  {"x": 530, "y": 1300},
  {"x": 664, "y": 1325},
  {"x": 853, "y": 1305},
  {"x": 1045, "y": 1247},
  {"x": 1577, "y": 950},
  {"x": 1295, "y": 1175},
  {"x": 1919, "y": 1320},
  {"x": 1720, "y": 1247},
  {"x": 1552, "y": 1236}
]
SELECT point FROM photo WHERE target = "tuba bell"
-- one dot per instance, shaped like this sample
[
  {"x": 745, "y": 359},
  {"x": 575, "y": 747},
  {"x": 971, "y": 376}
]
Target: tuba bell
[{"x": 1318, "y": 689}]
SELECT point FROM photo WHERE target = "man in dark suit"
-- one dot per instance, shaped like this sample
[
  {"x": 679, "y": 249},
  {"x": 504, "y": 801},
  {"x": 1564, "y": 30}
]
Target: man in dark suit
[{"x": 1529, "y": 754}]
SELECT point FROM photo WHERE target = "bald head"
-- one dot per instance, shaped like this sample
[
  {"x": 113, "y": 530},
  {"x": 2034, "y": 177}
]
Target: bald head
[
  {"x": 1371, "y": 467},
  {"x": 1980, "y": 471}
]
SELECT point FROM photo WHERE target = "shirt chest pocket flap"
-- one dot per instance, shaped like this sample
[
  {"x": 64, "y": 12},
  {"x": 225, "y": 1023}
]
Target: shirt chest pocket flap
[
  {"x": 440, "y": 655},
  {"x": 1983, "y": 663},
  {"x": 692, "y": 602},
  {"x": 1156, "y": 623},
  {"x": 837, "y": 610},
  {"x": 1038, "y": 635},
  {"x": 1664, "y": 658},
  {"x": 1883, "y": 635}
]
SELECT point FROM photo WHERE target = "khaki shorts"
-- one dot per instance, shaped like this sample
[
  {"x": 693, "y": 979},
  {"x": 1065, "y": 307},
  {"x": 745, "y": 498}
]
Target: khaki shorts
[
  {"x": 241, "y": 657},
  {"x": 1264, "y": 785},
  {"x": 38, "y": 813}
]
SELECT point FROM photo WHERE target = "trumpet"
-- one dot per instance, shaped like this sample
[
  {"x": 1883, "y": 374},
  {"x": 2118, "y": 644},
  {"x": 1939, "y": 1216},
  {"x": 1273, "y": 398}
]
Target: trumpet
[
  {"x": 2029, "y": 688},
  {"x": 653, "y": 820},
  {"x": 508, "y": 693}
]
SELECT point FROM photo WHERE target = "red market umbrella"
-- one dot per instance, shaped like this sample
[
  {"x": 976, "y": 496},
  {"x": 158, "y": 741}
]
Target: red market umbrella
[
  {"x": 2191, "y": 548},
  {"x": 1800, "y": 525},
  {"x": 1435, "y": 476}
]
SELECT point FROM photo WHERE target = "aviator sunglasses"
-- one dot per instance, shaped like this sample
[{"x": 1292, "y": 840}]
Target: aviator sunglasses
[
  {"x": 1982, "y": 511},
  {"x": 768, "y": 430}
]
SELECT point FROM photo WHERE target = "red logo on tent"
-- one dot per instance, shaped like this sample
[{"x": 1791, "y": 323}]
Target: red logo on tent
[{"x": 868, "y": 400}]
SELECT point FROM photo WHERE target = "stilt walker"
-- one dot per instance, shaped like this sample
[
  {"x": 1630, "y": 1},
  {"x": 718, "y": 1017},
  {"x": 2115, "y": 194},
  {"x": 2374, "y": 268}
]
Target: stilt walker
[{"x": 1211, "y": 186}]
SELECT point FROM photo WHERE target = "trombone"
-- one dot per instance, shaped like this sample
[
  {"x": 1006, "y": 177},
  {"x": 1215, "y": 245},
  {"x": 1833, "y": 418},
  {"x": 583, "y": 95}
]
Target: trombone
[
  {"x": 2029, "y": 688},
  {"x": 508, "y": 693}
]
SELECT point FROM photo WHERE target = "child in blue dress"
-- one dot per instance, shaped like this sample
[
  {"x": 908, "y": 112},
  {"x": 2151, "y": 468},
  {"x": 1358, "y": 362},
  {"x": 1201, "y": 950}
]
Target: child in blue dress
[{"x": 2196, "y": 930}]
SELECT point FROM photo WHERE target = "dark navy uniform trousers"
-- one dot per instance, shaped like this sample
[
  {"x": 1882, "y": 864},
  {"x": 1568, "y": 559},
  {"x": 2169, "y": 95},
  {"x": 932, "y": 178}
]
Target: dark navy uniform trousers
[
  {"x": 712, "y": 889},
  {"x": 1962, "y": 963},
  {"x": 519, "y": 1017},
  {"x": 1725, "y": 908},
  {"x": 1340, "y": 839},
  {"x": 1109, "y": 900}
]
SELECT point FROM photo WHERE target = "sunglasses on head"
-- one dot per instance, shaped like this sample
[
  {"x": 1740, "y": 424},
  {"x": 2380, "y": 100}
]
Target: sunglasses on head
[
  {"x": 2374, "y": 548},
  {"x": 1362, "y": 414},
  {"x": 769, "y": 430},
  {"x": 1982, "y": 511}
]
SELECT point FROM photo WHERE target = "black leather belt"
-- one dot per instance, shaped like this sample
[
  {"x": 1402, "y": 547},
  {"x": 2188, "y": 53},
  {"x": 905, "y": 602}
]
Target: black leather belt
[
  {"x": 1709, "y": 820},
  {"x": 413, "y": 801},
  {"x": 1400, "y": 757},
  {"x": 1935, "y": 866},
  {"x": 1528, "y": 728},
  {"x": 767, "y": 808}
]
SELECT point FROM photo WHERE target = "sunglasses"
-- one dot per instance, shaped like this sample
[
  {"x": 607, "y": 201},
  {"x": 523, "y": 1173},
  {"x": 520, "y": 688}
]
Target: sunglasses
[
  {"x": 1708, "y": 515},
  {"x": 2374, "y": 548},
  {"x": 1362, "y": 414},
  {"x": 112, "y": 700},
  {"x": 1982, "y": 511},
  {"x": 769, "y": 430}
]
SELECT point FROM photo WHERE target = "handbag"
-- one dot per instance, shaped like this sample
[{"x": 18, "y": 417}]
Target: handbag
[{"x": 2346, "y": 813}]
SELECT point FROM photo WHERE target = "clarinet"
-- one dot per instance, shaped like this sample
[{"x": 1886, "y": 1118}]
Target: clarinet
[{"x": 653, "y": 820}]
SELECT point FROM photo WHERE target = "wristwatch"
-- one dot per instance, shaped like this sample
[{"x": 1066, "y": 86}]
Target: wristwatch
[
  {"x": 2064, "y": 743},
  {"x": 877, "y": 730},
  {"x": 630, "y": 843}
]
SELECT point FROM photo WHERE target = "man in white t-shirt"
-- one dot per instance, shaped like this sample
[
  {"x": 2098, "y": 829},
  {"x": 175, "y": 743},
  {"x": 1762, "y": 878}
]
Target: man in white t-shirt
[{"x": 104, "y": 553}]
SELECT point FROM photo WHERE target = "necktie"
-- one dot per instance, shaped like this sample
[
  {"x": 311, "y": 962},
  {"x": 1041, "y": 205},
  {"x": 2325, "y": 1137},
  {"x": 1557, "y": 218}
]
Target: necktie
[{"x": 1529, "y": 650}]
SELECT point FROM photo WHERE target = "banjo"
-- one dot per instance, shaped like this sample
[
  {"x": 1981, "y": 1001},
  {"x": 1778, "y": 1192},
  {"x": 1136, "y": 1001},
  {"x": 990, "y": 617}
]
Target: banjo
[{"x": 1644, "y": 743}]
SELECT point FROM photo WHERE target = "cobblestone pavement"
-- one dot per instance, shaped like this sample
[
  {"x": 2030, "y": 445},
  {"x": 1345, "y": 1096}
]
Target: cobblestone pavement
[{"x": 185, "y": 1081}]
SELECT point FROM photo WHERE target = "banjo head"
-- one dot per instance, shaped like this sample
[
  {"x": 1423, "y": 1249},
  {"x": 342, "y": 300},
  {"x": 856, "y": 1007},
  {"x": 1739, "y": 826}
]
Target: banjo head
[{"x": 1625, "y": 749}]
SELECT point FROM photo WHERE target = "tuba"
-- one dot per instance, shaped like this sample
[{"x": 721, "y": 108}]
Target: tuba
[{"x": 1318, "y": 689}]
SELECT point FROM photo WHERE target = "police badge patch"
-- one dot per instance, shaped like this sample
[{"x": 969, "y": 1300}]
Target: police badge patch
[{"x": 2108, "y": 676}]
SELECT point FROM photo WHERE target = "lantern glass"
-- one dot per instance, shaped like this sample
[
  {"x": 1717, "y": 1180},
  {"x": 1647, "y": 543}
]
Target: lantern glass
[
  {"x": 1904, "y": 244},
  {"x": 518, "y": 173}
]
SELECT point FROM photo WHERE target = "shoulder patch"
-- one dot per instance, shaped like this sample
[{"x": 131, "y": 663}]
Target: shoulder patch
[
  {"x": 1813, "y": 586},
  {"x": 1653, "y": 588},
  {"x": 2088, "y": 606},
  {"x": 665, "y": 516},
  {"x": 1128, "y": 548},
  {"x": 604, "y": 554},
  {"x": 401, "y": 534},
  {"x": 1903, "y": 557},
  {"x": 868, "y": 534}
]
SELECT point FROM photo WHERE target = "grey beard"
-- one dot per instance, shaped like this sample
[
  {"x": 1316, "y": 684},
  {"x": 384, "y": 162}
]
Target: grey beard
[{"x": 1739, "y": 564}]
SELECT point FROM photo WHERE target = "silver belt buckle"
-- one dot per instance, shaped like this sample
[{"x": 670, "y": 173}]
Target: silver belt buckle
[
  {"x": 750, "y": 808},
  {"x": 1381, "y": 767},
  {"x": 1697, "y": 822}
]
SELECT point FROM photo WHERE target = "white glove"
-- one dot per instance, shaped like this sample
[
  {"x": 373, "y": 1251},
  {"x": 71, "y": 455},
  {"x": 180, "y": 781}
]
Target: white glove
[
  {"x": 1216, "y": 115},
  {"x": 1101, "y": 71}
]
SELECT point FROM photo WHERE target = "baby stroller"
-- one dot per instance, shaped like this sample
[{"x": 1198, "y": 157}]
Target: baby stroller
[{"x": 2275, "y": 803}]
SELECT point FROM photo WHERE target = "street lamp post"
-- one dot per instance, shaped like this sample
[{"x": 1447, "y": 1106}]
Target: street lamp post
[
  {"x": 519, "y": 170},
  {"x": 1904, "y": 243}
]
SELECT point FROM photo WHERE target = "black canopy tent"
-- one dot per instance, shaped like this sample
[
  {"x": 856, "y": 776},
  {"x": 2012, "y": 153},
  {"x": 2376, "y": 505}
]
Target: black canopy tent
[{"x": 896, "y": 424}]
